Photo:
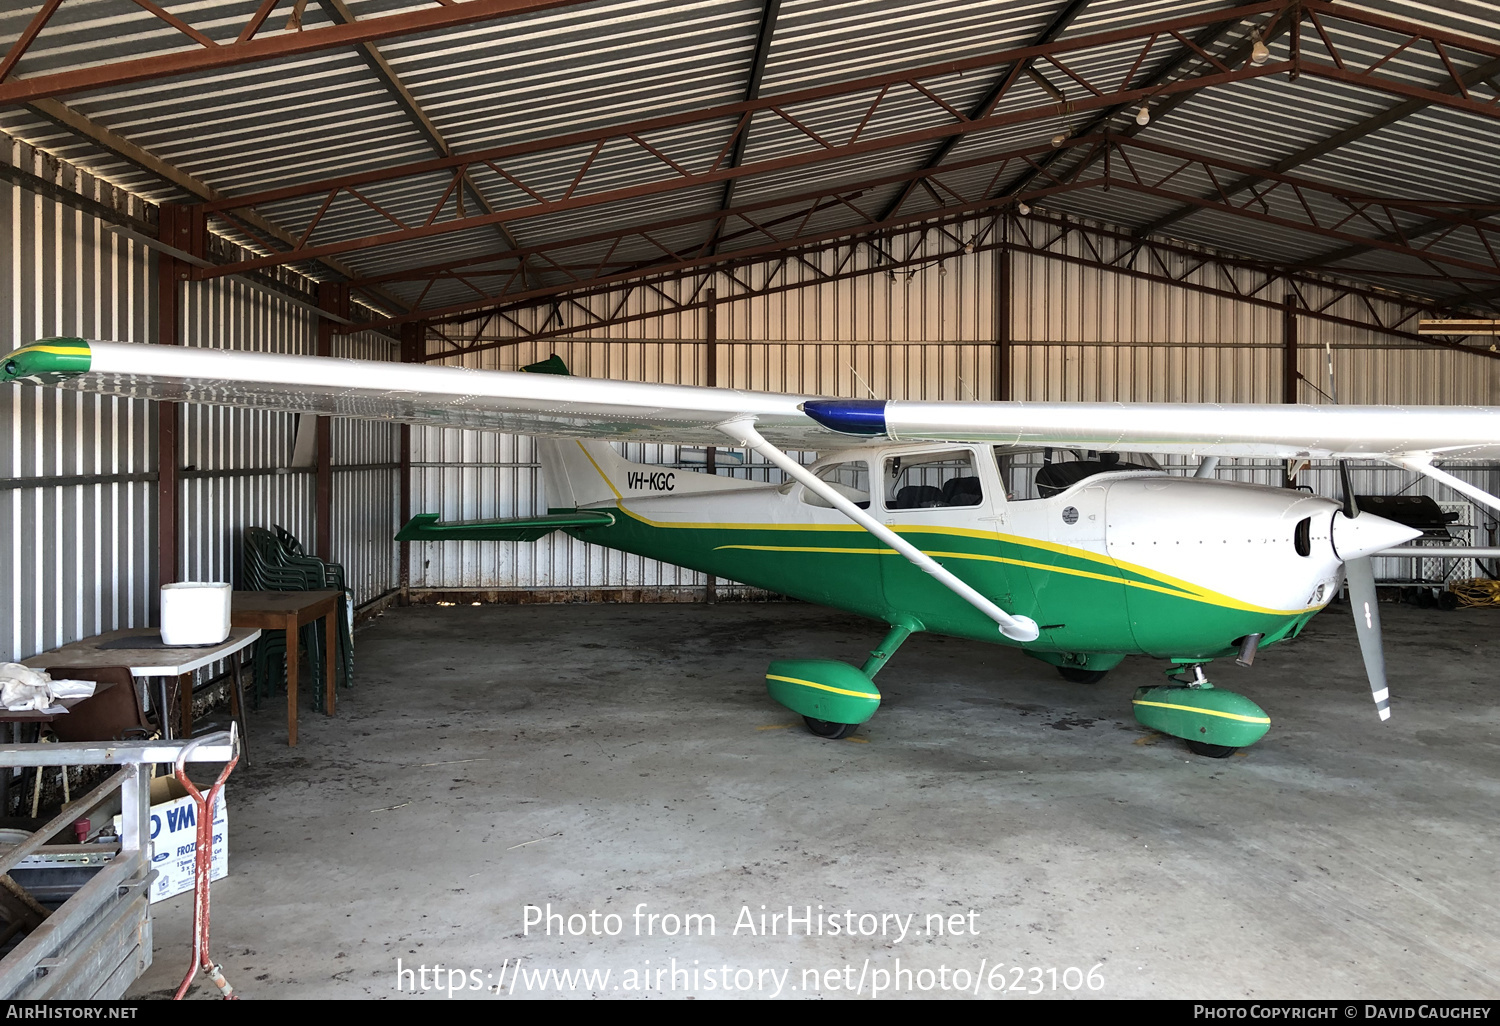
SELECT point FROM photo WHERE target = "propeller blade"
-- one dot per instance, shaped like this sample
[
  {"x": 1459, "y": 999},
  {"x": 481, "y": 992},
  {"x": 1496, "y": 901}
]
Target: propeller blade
[
  {"x": 1351, "y": 508},
  {"x": 1362, "y": 599}
]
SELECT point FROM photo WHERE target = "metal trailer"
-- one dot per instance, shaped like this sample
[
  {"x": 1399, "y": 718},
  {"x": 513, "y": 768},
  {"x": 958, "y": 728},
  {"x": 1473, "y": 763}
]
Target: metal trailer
[{"x": 98, "y": 941}]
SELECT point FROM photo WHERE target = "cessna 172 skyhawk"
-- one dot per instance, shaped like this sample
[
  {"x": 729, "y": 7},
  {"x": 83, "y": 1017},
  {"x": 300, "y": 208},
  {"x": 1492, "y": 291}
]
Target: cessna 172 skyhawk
[{"x": 913, "y": 514}]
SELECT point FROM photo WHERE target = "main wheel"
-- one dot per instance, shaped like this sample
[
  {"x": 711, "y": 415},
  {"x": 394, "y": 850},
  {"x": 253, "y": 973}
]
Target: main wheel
[
  {"x": 1212, "y": 751},
  {"x": 1081, "y": 676},
  {"x": 827, "y": 729}
]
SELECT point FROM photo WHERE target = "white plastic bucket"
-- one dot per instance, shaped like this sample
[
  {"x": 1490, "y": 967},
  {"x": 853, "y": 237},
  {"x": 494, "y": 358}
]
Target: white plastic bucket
[{"x": 194, "y": 613}]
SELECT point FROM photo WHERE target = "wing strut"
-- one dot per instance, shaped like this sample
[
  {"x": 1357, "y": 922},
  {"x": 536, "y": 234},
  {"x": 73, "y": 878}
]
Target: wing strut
[
  {"x": 1422, "y": 464},
  {"x": 1019, "y": 628}
]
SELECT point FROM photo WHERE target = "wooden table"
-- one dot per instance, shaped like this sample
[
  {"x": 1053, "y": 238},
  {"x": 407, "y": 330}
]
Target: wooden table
[
  {"x": 165, "y": 663},
  {"x": 288, "y": 611}
]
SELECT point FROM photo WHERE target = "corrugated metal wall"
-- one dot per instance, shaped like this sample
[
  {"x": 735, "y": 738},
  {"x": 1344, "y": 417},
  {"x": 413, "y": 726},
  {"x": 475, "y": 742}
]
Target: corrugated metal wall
[
  {"x": 78, "y": 504},
  {"x": 78, "y": 555},
  {"x": 366, "y": 486},
  {"x": 1078, "y": 333},
  {"x": 235, "y": 472}
]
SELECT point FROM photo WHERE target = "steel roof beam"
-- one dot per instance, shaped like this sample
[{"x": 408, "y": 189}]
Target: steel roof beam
[
  {"x": 814, "y": 201},
  {"x": 1359, "y": 209},
  {"x": 248, "y": 49},
  {"x": 1456, "y": 86},
  {"x": 66, "y": 117},
  {"x": 28, "y": 36},
  {"x": 1189, "y": 53},
  {"x": 1328, "y": 145},
  {"x": 1294, "y": 195},
  {"x": 816, "y": 151},
  {"x": 735, "y": 111},
  {"x": 1271, "y": 271},
  {"x": 956, "y": 246},
  {"x": 768, "y": 16},
  {"x": 1054, "y": 29},
  {"x": 339, "y": 11},
  {"x": 1291, "y": 196}
]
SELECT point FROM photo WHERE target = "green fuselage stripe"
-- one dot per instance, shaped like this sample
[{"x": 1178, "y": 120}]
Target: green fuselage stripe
[{"x": 936, "y": 554}]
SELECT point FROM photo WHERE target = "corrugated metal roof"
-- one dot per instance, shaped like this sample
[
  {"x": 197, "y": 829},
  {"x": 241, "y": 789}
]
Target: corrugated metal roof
[{"x": 529, "y": 78}]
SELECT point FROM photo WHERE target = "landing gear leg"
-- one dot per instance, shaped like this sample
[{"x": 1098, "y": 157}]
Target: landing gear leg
[
  {"x": 838, "y": 683},
  {"x": 1196, "y": 678}
]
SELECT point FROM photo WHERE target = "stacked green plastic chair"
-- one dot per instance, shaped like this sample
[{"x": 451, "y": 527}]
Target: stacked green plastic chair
[
  {"x": 333, "y": 573},
  {"x": 333, "y": 579},
  {"x": 268, "y": 567},
  {"x": 264, "y": 570}
]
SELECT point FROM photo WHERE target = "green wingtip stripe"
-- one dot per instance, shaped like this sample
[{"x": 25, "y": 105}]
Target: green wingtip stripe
[{"x": 47, "y": 361}]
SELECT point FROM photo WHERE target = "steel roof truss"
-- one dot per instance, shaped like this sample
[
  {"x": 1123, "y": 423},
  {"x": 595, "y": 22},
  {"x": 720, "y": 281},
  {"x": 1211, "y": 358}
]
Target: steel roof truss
[
  {"x": 615, "y": 313},
  {"x": 679, "y": 262}
]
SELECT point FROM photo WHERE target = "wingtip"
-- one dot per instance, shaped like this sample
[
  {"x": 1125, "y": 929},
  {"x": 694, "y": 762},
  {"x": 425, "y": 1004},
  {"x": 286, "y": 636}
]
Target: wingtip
[{"x": 47, "y": 361}]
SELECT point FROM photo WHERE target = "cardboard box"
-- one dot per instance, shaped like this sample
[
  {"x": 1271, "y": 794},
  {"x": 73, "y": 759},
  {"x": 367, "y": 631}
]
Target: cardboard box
[{"x": 174, "y": 838}]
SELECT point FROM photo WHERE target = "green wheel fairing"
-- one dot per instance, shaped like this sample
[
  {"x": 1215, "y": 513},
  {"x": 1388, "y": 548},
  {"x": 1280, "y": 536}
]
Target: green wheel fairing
[
  {"x": 823, "y": 689},
  {"x": 1209, "y": 715},
  {"x": 47, "y": 361},
  {"x": 1079, "y": 603}
]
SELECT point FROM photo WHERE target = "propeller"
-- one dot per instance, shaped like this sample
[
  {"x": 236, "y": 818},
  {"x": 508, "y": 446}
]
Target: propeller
[
  {"x": 1351, "y": 508},
  {"x": 1355, "y": 539},
  {"x": 1359, "y": 572},
  {"x": 1362, "y": 599}
]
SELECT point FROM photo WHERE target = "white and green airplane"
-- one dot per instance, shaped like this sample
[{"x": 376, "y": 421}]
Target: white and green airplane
[{"x": 1025, "y": 524}]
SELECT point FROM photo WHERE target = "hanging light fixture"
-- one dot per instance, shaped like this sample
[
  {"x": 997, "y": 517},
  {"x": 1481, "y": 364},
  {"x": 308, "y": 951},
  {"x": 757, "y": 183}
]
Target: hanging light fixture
[
  {"x": 1058, "y": 140},
  {"x": 1259, "y": 52},
  {"x": 1022, "y": 208},
  {"x": 1143, "y": 116}
]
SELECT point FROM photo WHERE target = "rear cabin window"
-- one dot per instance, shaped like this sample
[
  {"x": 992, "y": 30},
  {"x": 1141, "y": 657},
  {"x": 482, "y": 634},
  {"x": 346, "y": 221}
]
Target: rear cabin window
[
  {"x": 850, "y": 479},
  {"x": 931, "y": 480}
]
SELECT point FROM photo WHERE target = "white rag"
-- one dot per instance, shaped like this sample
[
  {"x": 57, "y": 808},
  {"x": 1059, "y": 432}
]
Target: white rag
[{"x": 23, "y": 689}]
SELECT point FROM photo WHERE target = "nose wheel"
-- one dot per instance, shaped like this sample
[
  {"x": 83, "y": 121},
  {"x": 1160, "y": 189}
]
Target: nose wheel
[{"x": 827, "y": 729}]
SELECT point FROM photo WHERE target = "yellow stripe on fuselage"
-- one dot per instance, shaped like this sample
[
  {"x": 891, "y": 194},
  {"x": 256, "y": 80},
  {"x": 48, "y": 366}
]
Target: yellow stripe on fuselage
[
  {"x": 1194, "y": 595},
  {"x": 1176, "y": 593},
  {"x": 602, "y": 474}
]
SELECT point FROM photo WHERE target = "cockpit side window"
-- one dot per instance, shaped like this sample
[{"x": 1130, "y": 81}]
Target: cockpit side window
[
  {"x": 851, "y": 479},
  {"x": 932, "y": 480}
]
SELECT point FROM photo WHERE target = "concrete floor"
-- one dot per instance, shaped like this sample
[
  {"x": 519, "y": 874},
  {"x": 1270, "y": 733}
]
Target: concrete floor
[{"x": 605, "y": 758}]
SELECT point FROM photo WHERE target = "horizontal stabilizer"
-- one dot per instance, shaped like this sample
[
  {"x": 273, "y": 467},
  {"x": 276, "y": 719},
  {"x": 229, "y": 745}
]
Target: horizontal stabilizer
[{"x": 425, "y": 527}]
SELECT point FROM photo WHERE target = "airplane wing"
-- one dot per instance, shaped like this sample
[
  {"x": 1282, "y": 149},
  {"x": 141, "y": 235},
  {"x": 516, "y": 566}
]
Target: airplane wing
[
  {"x": 538, "y": 404},
  {"x": 636, "y": 411},
  {"x": 1206, "y": 429}
]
